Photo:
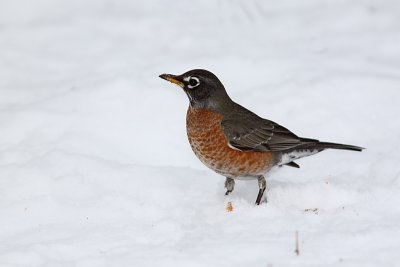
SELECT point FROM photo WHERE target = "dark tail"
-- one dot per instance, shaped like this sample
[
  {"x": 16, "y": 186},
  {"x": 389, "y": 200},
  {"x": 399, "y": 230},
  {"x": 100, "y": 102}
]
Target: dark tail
[
  {"x": 315, "y": 144},
  {"x": 310, "y": 147},
  {"x": 325, "y": 145}
]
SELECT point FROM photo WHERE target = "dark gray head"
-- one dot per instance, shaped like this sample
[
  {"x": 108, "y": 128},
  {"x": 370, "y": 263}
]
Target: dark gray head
[{"x": 202, "y": 87}]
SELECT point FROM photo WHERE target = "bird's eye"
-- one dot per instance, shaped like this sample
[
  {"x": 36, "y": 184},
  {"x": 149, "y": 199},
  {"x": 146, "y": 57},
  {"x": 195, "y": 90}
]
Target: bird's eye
[{"x": 193, "y": 82}]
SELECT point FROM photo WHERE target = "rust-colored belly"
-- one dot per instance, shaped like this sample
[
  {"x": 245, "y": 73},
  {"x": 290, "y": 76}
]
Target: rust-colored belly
[{"x": 210, "y": 145}]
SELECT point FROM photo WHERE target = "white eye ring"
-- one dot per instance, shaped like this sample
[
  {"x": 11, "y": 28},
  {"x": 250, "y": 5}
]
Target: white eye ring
[{"x": 191, "y": 85}]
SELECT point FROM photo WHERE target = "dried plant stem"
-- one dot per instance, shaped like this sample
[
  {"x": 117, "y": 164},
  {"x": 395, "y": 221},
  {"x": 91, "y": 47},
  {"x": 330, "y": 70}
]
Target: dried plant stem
[{"x": 297, "y": 250}]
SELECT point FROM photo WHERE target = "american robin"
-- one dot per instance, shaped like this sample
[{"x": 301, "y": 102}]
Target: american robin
[{"x": 233, "y": 141}]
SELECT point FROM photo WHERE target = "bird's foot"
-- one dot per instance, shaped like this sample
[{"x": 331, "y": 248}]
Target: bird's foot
[
  {"x": 229, "y": 185},
  {"x": 259, "y": 196},
  {"x": 262, "y": 184}
]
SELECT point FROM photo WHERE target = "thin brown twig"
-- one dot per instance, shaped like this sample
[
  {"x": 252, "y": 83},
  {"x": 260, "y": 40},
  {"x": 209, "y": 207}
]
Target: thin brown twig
[{"x": 297, "y": 250}]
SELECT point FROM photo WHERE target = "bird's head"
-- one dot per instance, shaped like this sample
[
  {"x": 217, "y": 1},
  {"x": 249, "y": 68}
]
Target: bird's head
[{"x": 202, "y": 87}]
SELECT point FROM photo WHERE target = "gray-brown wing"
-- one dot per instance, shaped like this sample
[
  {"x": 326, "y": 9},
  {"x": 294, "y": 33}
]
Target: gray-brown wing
[{"x": 258, "y": 134}]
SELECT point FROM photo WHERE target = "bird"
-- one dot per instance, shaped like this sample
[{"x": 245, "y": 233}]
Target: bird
[{"x": 232, "y": 140}]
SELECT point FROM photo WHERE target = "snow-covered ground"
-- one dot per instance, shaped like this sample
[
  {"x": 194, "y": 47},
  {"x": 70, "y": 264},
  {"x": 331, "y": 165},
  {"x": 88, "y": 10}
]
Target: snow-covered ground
[{"x": 95, "y": 168}]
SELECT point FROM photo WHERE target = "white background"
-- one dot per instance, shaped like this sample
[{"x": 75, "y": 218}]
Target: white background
[{"x": 95, "y": 167}]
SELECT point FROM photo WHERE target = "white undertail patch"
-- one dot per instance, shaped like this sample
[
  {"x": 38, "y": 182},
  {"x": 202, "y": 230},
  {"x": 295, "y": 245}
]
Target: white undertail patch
[{"x": 297, "y": 154}]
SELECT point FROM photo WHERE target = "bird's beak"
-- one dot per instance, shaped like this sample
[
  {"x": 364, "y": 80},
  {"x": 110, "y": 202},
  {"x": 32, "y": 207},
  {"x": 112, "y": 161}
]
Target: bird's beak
[{"x": 173, "y": 79}]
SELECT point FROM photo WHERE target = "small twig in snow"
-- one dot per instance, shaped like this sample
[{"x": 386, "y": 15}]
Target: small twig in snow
[
  {"x": 229, "y": 207},
  {"x": 297, "y": 250}
]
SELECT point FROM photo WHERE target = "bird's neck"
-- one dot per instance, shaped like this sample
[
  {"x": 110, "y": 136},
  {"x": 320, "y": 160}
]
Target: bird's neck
[{"x": 220, "y": 104}]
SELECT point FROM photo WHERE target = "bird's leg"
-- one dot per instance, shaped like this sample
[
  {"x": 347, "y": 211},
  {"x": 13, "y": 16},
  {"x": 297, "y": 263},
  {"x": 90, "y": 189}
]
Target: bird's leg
[
  {"x": 262, "y": 184},
  {"x": 229, "y": 185}
]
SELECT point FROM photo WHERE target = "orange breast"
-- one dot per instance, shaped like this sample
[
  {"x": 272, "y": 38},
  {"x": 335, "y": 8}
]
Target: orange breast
[{"x": 210, "y": 145}]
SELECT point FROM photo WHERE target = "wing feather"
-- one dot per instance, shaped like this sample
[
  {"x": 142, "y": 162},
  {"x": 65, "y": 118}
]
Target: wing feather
[{"x": 258, "y": 134}]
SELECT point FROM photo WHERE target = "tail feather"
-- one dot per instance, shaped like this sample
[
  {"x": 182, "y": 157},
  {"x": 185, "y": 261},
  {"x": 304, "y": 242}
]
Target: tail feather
[
  {"x": 310, "y": 147},
  {"x": 325, "y": 145},
  {"x": 315, "y": 144}
]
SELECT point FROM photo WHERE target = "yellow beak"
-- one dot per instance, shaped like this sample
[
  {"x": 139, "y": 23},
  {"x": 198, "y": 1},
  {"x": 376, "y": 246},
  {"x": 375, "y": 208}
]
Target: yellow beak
[{"x": 173, "y": 79}]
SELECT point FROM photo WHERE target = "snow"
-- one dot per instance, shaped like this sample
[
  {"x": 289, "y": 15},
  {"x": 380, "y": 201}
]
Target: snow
[{"x": 95, "y": 167}]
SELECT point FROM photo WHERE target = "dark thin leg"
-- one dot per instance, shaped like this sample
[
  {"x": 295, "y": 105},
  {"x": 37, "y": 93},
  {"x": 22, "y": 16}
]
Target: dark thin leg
[
  {"x": 229, "y": 185},
  {"x": 262, "y": 184}
]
